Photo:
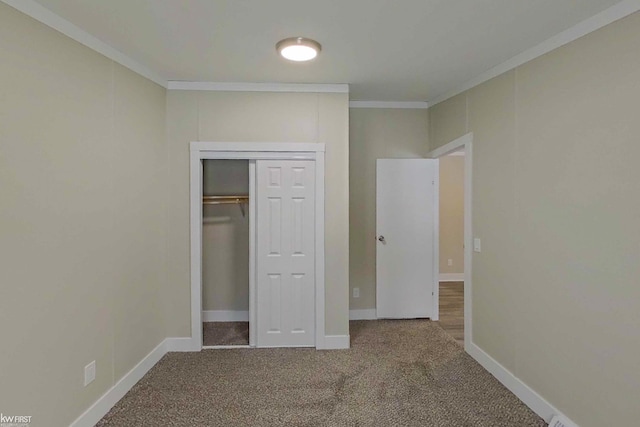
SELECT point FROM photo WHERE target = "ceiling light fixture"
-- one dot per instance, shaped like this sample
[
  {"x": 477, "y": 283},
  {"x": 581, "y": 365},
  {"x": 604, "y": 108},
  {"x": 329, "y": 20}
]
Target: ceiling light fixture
[{"x": 298, "y": 49}]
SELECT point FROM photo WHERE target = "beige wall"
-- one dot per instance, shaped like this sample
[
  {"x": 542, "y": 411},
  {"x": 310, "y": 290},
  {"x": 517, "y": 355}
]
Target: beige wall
[
  {"x": 452, "y": 214},
  {"x": 258, "y": 117},
  {"x": 375, "y": 134},
  {"x": 82, "y": 220},
  {"x": 225, "y": 238},
  {"x": 555, "y": 200}
]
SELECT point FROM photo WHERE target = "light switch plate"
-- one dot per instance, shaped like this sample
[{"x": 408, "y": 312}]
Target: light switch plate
[{"x": 477, "y": 247}]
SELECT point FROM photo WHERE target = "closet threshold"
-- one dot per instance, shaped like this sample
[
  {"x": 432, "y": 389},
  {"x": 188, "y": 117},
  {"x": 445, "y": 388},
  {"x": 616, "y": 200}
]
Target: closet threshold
[{"x": 224, "y": 347}]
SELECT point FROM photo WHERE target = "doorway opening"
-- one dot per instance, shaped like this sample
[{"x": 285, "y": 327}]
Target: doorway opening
[
  {"x": 455, "y": 238},
  {"x": 451, "y": 245}
]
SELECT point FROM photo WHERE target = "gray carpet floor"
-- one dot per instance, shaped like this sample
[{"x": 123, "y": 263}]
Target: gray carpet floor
[
  {"x": 397, "y": 373},
  {"x": 225, "y": 333}
]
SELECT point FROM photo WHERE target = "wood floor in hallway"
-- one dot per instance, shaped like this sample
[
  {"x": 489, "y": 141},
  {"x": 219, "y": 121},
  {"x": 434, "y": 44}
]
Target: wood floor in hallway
[{"x": 452, "y": 309}]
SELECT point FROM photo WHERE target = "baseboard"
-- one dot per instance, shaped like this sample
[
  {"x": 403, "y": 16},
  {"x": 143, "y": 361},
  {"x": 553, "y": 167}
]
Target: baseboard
[
  {"x": 104, "y": 404},
  {"x": 335, "y": 342},
  {"x": 451, "y": 277},
  {"x": 525, "y": 393},
  {"x": 366, "y": 314},
  {"x": 225, "y": 316},
  {"x": 180, "y": 344}
]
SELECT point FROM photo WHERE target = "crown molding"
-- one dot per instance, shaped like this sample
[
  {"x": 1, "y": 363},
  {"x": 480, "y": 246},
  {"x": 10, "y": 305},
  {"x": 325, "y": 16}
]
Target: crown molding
[
  {"x": 50, "y": 19},
  {"x": 606, "y": 17},
  {"x": 259, "y": 87},
  {"x": 390, "y": 104}
]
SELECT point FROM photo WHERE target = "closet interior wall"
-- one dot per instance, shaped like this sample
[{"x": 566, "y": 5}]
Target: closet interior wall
[{"x": 225, "y": 238}]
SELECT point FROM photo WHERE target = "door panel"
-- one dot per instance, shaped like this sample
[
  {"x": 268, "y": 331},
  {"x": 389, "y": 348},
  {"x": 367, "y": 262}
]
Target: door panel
[
  {"x": 285, "y": 264},
  {"x": 405, "y": 222}
]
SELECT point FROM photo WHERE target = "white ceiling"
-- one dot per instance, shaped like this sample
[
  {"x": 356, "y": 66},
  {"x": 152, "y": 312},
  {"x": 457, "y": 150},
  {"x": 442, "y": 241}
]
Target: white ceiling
[{"x": 402, "y": 50}]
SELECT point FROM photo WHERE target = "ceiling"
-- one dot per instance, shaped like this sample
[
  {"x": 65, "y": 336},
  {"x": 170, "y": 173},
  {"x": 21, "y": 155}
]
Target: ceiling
[{"x": 387, "y": 50}]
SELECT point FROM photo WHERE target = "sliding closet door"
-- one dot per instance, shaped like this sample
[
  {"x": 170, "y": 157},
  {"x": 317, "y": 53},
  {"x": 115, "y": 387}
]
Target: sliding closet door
[{"x": 285, "y": 266}]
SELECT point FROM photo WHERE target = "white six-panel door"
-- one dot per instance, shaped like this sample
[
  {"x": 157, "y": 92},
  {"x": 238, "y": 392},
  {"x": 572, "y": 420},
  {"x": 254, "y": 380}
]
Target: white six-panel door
[
  {"x": 285, "y": 256},
  {"x": 406, "y": 223}
]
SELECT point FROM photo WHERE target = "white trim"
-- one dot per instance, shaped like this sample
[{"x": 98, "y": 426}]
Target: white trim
[
  {"x": 181, "y": 344},
  {"x": 319, "y": 249},
  {"x": 363, "y": 314},
  {"x": 195, "y": 185},
  {"x": 50, "y": 19},
  {"x": 456, "y": 154},
  {"x": 258, "y": 87},
  {"x": 335, "y": 342},
  {"x": 416, "y": 105},
  {"x": 606, "y": 17},
  {"x": 451, "y": 277},
  {"x": 261, "y": 148},
  {"x": 100, "y": 407},
  {"x": 525, "y": 393},
  {"x": 451, "y": 147},
  {"x": 253, "y": 278},
  {"x": 254, "y": 155},
  {"x": 221, "y": 150},
  {"x": 465, "y": 142},
  {"x": 435, "y": 289},
  {"x": 225, "y": 316},
  {"x": 224, "y": 347},
  {"x": 468, "y": 238}
]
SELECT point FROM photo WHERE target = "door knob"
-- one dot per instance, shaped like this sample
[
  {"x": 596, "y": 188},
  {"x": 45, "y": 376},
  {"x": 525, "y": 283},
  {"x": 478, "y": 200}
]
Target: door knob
[{"x": 381, "y": 238}]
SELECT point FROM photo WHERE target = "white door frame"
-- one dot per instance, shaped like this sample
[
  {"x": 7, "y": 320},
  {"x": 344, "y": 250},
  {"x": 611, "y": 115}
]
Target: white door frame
[
  {"x": 252, "y": 151},
  {"x": 465, "y": 142}
]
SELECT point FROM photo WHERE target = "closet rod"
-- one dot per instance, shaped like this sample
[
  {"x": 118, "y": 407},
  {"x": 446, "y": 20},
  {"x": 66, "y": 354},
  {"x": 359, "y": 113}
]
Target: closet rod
[{"x": 224, "y": 200}]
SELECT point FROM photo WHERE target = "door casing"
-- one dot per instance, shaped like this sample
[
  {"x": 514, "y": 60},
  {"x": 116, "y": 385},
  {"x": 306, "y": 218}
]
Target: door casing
[{"x": 465, "y": 142}]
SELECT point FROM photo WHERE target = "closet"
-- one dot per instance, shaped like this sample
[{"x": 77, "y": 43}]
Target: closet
[
  {"x": 225, "y": 253},
  {"x": 257, "y": 245}
]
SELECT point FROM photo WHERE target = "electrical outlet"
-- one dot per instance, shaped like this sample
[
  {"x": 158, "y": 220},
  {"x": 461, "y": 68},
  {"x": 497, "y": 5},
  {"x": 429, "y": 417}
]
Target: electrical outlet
[
  {"x": 449, "y": 262},
  {"x": 89, "y": 373},
  {"x": 560, "y": 421},
  {"x": 356, "y": 292}
]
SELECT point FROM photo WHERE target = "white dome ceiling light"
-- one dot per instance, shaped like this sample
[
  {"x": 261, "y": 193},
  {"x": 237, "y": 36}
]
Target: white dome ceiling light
[{"x": 298, "y": 49}]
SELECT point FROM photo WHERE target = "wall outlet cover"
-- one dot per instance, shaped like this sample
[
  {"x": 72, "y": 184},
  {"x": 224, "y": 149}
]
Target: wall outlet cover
[
  {"x": 559, "y": 421},
  {"x": 356, "y": 292},
  {"x": 89, "y": 373}
]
